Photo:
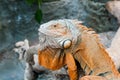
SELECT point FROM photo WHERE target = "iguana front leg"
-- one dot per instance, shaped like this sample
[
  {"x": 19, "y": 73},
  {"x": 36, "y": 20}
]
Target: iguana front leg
[
  {"x": 29, "y": 54},
  {"x": 29, "y": 73},
  {"x": 26, "y": 52},
  {"x": 72, "y": 68}
]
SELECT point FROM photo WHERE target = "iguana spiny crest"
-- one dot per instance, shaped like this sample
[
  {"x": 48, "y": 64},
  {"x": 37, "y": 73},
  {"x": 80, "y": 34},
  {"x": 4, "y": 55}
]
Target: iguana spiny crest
[{"x": 86, "y": 47}]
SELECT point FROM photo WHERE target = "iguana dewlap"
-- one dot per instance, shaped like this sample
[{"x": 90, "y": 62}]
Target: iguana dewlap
[{"x": 55, "y": 59}]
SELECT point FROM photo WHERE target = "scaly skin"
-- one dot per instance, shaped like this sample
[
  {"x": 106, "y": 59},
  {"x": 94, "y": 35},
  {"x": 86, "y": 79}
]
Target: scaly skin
[
  {"x": 92, "y": 56},
  {"x": 57, "y": 60},
  {"x": 87, "y": 50}
]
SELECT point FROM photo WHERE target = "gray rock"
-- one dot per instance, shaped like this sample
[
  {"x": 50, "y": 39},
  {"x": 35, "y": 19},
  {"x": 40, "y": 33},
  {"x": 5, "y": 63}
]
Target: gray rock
[
  {"x": 114, "y": 8},
  {"x": 106, "y": 38},
  {"x": 93, "y": 14}
]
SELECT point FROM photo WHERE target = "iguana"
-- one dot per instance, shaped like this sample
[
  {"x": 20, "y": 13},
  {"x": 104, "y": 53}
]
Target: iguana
[{"x": 62, "y": 42}]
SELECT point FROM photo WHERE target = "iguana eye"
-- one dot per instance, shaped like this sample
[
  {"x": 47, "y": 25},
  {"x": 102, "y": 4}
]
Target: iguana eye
[{"x": 54, "y": 25}]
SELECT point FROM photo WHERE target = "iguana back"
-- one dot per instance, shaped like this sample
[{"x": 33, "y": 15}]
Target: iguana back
[{"x": 92, "y": 56}]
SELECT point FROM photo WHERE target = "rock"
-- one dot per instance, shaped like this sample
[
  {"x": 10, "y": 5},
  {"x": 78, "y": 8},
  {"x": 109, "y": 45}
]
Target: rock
[
  {"x": 93, "y": 14},
  {"x": 114, "y": 8},
  {"x": 106, "y": 38}
]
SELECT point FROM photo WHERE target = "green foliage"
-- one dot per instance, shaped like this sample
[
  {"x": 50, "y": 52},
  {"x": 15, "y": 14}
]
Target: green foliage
[
  {"x": 38, "y": 13},
  {"x": 30, "y": 1},
  {"x": 39, "y": 2}
]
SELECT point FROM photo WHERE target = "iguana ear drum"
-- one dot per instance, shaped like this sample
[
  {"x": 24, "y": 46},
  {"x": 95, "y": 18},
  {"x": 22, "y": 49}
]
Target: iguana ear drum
[{"x": 66, "y": 43}]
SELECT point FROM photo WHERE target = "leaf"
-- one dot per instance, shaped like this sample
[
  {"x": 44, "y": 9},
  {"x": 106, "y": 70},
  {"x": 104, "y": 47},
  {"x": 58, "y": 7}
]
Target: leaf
[
  {"x": 38, "y": 15},
  {"x": 40, "y": 1},
  {"x": 30, "y": 2}
]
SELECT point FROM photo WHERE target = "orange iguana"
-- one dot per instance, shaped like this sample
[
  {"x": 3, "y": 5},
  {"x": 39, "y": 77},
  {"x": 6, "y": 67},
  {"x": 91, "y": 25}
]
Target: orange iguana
[{"x": 64, "y": 41}]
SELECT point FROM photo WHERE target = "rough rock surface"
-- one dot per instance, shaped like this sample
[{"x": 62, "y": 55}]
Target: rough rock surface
[
  {"x": 114, "y": 8},
  {"x": 93, "y": 14},
  {"x": 106, "y": 38}
]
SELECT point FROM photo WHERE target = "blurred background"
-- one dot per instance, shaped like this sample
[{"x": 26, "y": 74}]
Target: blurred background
[{"x": 17, "y": 22}]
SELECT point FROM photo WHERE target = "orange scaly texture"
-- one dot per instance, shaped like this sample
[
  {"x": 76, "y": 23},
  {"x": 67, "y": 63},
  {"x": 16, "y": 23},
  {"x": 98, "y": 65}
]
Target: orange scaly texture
[
  {"x": 89, "y": 52},
  {"x": 53, "y": 59},
  {"x": 92, "y": 55}
]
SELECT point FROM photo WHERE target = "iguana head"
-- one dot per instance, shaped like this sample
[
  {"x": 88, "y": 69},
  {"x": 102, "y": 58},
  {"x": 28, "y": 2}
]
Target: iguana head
[{"x": 58, "y": 33}]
